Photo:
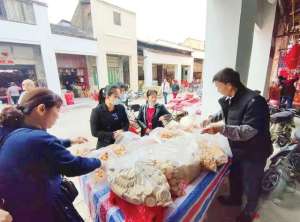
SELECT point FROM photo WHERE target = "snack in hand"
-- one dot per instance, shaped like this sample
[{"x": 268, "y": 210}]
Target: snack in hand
[
  {"x": 104, "y": 156},
  {"x": 119, "y": 150}
]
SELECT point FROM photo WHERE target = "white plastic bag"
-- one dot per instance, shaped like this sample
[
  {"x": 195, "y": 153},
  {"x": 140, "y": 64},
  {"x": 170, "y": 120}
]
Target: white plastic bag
[
  {"x": 214, "y": 140},
  {"x": 178, "y": 159},
  {"x": 126, "y": 138},
  {"x": 141, "y": 184}
]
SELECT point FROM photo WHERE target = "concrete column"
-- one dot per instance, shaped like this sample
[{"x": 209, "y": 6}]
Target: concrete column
[
  {"x": 102, "y": 69},
  {"x": 190, "y": 72},
  {"x": 228, "y": 43},
  {"x": 148, "y": 75},
  {"x": 178, "y": 72},
  {"x": 47, "y": 49},
  {"x": 133, "y": 69},
  {"x": 258, "y": 73},
  {"x": 51, "y": 70}
]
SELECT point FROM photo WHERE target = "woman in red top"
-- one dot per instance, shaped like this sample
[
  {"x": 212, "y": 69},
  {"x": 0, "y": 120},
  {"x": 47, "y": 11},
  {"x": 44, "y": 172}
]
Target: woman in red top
[{"x": 151, "y": 114}]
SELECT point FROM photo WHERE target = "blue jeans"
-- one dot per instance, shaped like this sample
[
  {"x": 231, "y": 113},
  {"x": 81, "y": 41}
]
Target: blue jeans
[
  {"x": 288, "y": 100},
  {"x": 165, "y": 97}
]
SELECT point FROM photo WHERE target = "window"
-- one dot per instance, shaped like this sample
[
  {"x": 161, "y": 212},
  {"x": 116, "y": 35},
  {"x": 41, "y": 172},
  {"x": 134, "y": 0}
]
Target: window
[
  {"x": 117, "y": 18},
  {"x": 17, "y": 10},
  {"x": 2, "y": 10},
  {"x": 141, "y": 73}
]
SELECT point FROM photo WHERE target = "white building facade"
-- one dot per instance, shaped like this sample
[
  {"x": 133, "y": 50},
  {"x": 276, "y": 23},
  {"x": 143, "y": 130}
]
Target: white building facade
[
  {"x": 176, "y": 63},
  {"x": 29, "y": 32},
  {"x": 115, "y": 30}
]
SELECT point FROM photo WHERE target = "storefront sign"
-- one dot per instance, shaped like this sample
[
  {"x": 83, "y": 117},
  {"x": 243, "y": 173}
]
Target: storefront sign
[{"x": 5, "y": 58}]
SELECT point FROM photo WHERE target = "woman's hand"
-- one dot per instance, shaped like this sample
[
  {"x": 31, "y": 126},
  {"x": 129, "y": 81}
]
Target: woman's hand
[
  {"x": 79, "y": 140},
  {"x": 5, "y": 216},
  {"x": 162, "y": 118},
  {"x": 147, "y": 131},
  {"x": 165, "y": 117},
  {"x": 117, "y": 134}
]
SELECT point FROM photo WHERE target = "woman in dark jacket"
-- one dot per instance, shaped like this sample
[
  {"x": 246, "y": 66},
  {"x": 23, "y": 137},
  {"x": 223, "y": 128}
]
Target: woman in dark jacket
[
  {"x": 32, "y": 163},
  {"x": 151, "y": 114},
  {"x": 175, "y": 88},
  {"x": 109, "y": 119}
]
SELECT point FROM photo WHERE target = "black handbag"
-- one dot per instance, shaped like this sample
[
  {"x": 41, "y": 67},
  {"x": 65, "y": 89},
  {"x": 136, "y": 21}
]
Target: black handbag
[{"x": 69, "y": 190}]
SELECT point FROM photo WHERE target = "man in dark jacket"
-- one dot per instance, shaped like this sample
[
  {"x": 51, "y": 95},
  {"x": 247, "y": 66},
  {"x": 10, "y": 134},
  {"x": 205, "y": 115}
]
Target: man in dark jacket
[{"x": 246, "y": 125}]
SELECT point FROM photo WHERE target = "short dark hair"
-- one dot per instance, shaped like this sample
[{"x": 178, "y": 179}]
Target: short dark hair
[
  {"x": 124, "y": 86},
  {"x": 111, "y": 89},
  {"x": 228, "y": 75},
  {"x": 151, "y": 92}
]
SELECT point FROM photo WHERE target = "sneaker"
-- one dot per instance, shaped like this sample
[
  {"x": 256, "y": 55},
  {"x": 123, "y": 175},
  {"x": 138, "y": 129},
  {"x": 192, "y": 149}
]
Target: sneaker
[{"x": 229, "y": 201}]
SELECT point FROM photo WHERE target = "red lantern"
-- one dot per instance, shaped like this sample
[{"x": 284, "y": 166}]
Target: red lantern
[
  {"x": 292, "y": 56},
  {"x": 69, "y": 96}
]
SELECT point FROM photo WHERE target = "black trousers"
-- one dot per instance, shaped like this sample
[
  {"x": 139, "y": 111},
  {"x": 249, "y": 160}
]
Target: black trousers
[{"x": 245, "y": 178}]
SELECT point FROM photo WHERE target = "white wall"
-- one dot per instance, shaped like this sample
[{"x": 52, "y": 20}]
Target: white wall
[
  {"x": 40, "y": 34},
  {"x": 160, "y": 58},
  {"x": 262, "y": 40},
  {"x": 72, "y": 45},
  {"x": 114, "y": 39},
  {"x": 224, "y": 43},
  {"x": 220, "y": 46},
  {"x": 19, "y": 32},
  {"x": 151, "y": 57}
]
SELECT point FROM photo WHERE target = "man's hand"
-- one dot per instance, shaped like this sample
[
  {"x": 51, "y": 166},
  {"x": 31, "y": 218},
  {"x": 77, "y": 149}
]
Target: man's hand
[
  {"x": 205, "y": 123},
  {"x": 214, "y": 128},
  {"x": 5, "y": 216},
  {"x": 79, "y": 140}
]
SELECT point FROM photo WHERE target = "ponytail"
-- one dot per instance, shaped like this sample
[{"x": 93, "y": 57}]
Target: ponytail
[
  {"x": 102, "y": 95},
  {"x": 107, "y": 91}
]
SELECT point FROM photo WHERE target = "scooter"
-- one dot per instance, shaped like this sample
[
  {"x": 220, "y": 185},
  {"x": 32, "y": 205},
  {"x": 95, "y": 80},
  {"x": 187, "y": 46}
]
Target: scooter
[
  {"x": 133, "y": 125},
  {"x": 282, "y": 124},
  {"x": 284, "y": 170}
]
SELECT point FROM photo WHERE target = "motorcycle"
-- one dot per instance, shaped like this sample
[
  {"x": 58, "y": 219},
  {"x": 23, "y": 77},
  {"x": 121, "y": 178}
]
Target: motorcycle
[
  {"x": 282, "y": 124},
  {"x": 133, "y": 125},
  {"x": 135, "y": 95},
  {"x": 284, "y": 170}
]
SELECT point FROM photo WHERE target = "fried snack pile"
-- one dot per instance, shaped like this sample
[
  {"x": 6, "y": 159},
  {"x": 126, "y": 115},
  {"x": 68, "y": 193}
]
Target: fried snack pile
[
  {"x": 143, "y": 184},
  {"x": 211, "y": 156}
]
